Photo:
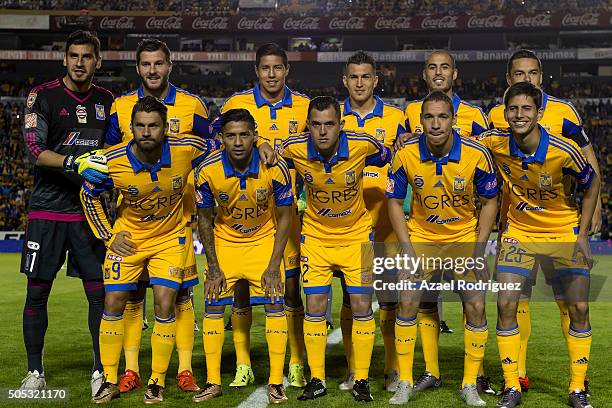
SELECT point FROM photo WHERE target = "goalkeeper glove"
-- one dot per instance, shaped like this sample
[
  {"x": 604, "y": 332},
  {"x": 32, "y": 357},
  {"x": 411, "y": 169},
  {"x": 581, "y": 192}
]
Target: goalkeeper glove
[{"x": 91, "y": 166}]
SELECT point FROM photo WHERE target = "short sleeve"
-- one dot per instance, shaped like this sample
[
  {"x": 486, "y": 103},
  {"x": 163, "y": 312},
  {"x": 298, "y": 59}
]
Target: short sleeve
[
  {"x": 397, "y": 180},
  {"x": 201, "y": 123},
  {"x": 479, "y": 122},
  {"x": 576, "y": 165},
  {"x": 377, "y": 154},
  {"x": 281, "y": 183}
]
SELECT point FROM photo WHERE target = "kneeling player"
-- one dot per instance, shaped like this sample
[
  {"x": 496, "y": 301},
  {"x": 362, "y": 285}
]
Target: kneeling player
[
  {"x": 151, "y": 174},
  {"x": 447, "y": 172},
  {"x": 544, "y": 225},
  {"x": 247, "y": 243}
]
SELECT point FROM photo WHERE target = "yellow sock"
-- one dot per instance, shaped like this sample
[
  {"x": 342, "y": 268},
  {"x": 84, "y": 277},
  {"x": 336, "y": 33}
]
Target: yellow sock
[
  {"x": 132, "y": 318},
  {"x": 405, "y": 339},
  {"x": 579, "y": 348},
  {"x": 346, "y": 327},
  {"x": 364, "y": 332},
  {"x": 387, "y": 329},
  {"x": 523, "y": 318},
  {"x": 315, "y": 339},
  {"x": 509, "y": 344},
  {"x": 475, "y": 340},
  {"x": 241, "y": 332},
  {"x": 295, "y": 329},
  {"x": 276, "y": 337},
  {"x": 162, "y": 343},
  {"x": 111, "y": 341},
  {"x": 184, "y": 334},
  {"x": 429, "y": 331},
  {"x": 213, "y": 333},
  {"x": 564, "y": 315}
]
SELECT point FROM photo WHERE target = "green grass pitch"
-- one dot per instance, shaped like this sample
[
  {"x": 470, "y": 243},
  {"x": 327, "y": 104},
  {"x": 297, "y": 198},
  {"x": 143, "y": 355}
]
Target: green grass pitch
[{"x": 68, "y": 360}]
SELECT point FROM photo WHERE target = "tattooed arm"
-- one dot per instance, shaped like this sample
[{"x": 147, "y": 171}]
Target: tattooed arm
[{"x": 215, "y": 279}]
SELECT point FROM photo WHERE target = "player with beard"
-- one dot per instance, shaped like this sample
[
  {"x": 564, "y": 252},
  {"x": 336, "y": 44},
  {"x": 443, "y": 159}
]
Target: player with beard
[{"x": 64, "y": 118}]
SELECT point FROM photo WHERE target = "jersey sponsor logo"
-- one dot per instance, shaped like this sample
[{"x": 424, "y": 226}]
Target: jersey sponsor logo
[
  {"x": 174, "y": 125},
  {"x": 308, "y": 177},
  {"x": 506, "y": 168},
  {"x": 326, "y": 212},
  {"x": 239, "y": 228},
  {"x": 285, "y": 195},
  {"x": 35, "y": 246},
  {"x": 293, "y": 127},
  {"x": 380, "y": 134},
  {"x": 491, "y": 184},
  {"x": 64, "y": 112},
  {"x": 153, "y": 217},
  {"x": 329, "y": 181},
  {"x": 303, "y": 258},
  {"x": 545, "y": 180},
  {"x": 100, "y": 114},
  {"x": 223, "y": 196},
  {"x": 350, "y": 178},
  {"x": 155, "y": 203},
  {"x": 434, "y": 202},
  {"x": 510, "y": 240},
  {"x": 523, "y": 206},
  {"x": 177, "y": 182},
  {"x": 390, "y": 186},
  {"x": 371, "y": 174},
  {"x": 435, "y": 219},
  {"x": 31, "y": 99},
  {"x": 261, "y": 195},
  {"x": 133, "y": 190},
  {"x": 81, "y": 113},
  {"x": 533, "y": 194},
  {"x": 418, "y": 181},
  {"x": 273, "y": 127},
  {"x": 333, "y": 196},
  {"x": 73, "y": 139},
  {"x": 459, "y": 184},
  {"x": 31, "y": 120},
  {"x": 113, "y": 257}
]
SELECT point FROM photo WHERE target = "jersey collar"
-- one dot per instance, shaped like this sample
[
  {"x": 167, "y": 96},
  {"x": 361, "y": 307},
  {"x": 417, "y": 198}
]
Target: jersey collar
[
  {"x": 170, "y": 98},
  {"x": 137, "y": 165},
  {"x": 453, "y": 155},
  {"x": 229, "y": 170},
  {"x": 261, "y": 101},
  {"x": 378, "y": 111},
  {"x": 342, "y": 153},
  {"x": 540, "y": 153},
  {"x": 456, "y": 102}
]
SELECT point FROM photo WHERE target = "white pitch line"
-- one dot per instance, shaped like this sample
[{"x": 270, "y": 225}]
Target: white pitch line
[{"x": 259, "y": 397}]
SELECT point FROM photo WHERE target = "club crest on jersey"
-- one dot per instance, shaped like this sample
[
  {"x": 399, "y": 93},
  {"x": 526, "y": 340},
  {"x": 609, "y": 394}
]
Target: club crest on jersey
[
  {"x": 177, "y": 182},
  {"x": 132, "y": 190},
  {"x": 174, "y": 125},
  {"x": 31, "y": 99},
  {"x": 261, "y": 195},
  {"x": 293, "y": 127},
  {"x": 459, "y": 184},
  {"x": 418, "y": 181},
  {"x": 81, "y": 113},
  {"x": 380, "y": 134},
  {"x": 100, "y": 115},
  {"x": 545, "y": 180},
  {"x": 223, "y": 196},
  {"x": 308, "y": 178},
  {"x": 350, "y": 178}
]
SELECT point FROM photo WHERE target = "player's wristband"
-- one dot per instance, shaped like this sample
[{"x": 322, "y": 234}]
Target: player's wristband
[{"x": 69, "y": 164}]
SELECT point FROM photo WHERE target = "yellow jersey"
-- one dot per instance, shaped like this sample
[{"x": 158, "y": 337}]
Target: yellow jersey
[
  {"x": 246, "y": 200},
  {"x": 540, "y": 187},
  {"x": 187, "y": 115},
  {"x": 560, "y": 119},
  {"x": 151, "y": 197},
  {"x": 335, "y": 209},
  {"x": 385, "y": 123},
  {"x": 442, "y": 206},
  {"x": 471, "y": 120}
]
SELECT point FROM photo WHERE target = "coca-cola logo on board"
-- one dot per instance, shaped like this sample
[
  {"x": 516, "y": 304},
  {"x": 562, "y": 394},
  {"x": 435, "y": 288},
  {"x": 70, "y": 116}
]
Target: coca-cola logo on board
[
  {"x": 117, "y": 23},
  {"x": 538, "y": 20},
  {"x": 215, "y": 23},
  {"x": 393, "y": 23},
  {"x": 351, "y": 23},
  {"x": 586, "y": 19},
  {"x": 308, "y": 23},
  {"x": 494, "y": 21},
  {"x": 439, "y": 22},
  {"x": 261, "y": 23},
  {"x": 164, "y": 23}
]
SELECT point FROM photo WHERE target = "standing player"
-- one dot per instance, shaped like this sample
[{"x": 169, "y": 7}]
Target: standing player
[
  {"x": 150, "y": 172},
  {"x": 336, "y": 235},
  {"x": 64, "y": 118},
  {"x": 250, "y": 233},
  {"x": 364, "y": 112},
  {"x": 187, "y": 115},
  {"x": 279, "y": 113},
  {"x": 560, "y": 119},
  {"x": 447, "y": 173},
  {"x": 539, "y": 172},
  {"x": 439, "y": 73}
]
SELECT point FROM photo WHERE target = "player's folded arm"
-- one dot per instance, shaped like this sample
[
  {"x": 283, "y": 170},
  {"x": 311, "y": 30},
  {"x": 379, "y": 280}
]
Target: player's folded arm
[{"x": 94, "y": 211}]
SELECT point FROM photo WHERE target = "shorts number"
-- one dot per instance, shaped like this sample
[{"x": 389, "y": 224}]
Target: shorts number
[
  {"x": 514, "y": 254},
  {"x": 116, "y": 270},
  {"x": 32, "y": 260},
  {"x": 304, "y": 270}
]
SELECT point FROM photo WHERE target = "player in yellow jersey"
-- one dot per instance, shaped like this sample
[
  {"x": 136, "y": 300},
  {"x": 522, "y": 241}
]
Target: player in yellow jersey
[
  {"x": 439, "y": 73},
  {"x": 559, "y": 119},
  {"x": 187, "y": 115},
  {"x": 246, "y": 241},
  {"x": 540, "y": 171},
  {"x": 364, "y": 112},
  {"x": 150, "y": 172},
  {"x": 448, "y": 173},
  {"x": 336, "y": 234},
  {"x": 279, "y": 113}
]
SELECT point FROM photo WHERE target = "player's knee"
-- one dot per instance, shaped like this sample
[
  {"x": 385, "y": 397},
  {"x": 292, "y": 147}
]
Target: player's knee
[
  {"x": 361, "y": 304},
  {"x": 37, "y": 293},
  {"x": 316, "y": 303},
  {"x": 578, "y": 312},
  {"x": 114, "y": 302},
  {"x": 408, "y": 308},
  {"x": 164, "y": 308},
  {"x": 475, "y": 313}
]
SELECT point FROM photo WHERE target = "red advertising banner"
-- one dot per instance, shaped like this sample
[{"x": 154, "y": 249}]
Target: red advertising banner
[{"x": 236, "y": 24}]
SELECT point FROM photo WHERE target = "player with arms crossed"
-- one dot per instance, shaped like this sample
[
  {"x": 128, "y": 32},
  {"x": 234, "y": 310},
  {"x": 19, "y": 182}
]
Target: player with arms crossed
[
  {"x": 336, "y": 234},
  {"x": 150, "y": 171},
  {"x": 539, "y": 172},
  {"x": 560, "y": 119},
  {"x": 279, "y": 113},
  {"x": 447, "y": 173},
  {"x": 64, "y": 118},
  {"x": 245, "y": 241},
  {"x": 365, "y": 112}
]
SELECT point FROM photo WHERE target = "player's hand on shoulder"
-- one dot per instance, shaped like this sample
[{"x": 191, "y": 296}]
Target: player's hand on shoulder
[
  {"x": 121, "y": 245},
  {"x": 91, "y": 166},
  {"x": 402, "y": 139},
  {"x": 267, "y": 154},
  {"x": 215, "y": 283},
  {"x": 272, "y": 283}
]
